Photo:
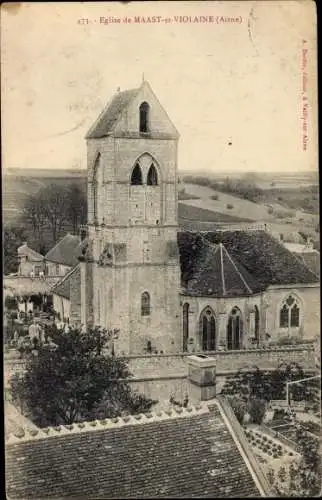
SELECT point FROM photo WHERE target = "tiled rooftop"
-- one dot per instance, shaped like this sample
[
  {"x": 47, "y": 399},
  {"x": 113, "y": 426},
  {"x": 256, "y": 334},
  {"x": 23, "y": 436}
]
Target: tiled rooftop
[
  {"x": 190, "y": 453},
  {"x": 111, "y": 113},
  {"x": 266, "y": 260}
]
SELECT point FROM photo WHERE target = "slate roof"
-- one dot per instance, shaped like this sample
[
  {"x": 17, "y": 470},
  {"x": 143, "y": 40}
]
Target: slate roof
[
  {"x": 187, "y": 455},
  {"x": 66, "y": 250},
  {"x": 220, "y": 276},
  {"x": 25, "y": 250},
  {"x": 62, "y": 288},
  {"x": 257, "y": 253},
  {"x": 109, "y": 116},
  {"x": 311, "y": 260}
]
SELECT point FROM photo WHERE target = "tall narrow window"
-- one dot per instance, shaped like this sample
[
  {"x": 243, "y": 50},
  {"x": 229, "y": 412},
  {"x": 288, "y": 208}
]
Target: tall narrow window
[
  {"x": 152, "y": 179},
  {"x": 144, "y": 117},
  {"x": 136, "y": 177},
  {"x": 234, "y": 330},
  {"x": 295, "y": 316},
  {"x": 207, "y": 330},
  {"x": 185, "y": 324},
  {"x": 284, "y": 316},
  {"x": 145, "y": 304},
  {"x": 256, "y": 323},
  {"x": 95, "y": 186},
  {"x": 290, "y": 313}
]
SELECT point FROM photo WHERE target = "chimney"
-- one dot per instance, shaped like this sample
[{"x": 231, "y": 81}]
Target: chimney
[{"x": 201, "y": 377}]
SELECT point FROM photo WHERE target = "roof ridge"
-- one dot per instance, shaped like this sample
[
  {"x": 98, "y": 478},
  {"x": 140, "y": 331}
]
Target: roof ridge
[
  {"x": 106, "y": 108},
  {"x": 236, "y": 269},
  {"x": 70, "y": 272},
  {"x": 27, "y": 435}
]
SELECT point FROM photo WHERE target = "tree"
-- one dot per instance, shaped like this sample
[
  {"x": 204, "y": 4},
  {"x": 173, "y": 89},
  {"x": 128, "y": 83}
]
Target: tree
[
  {"x": 55, "y": 208},
  {"x": 13, "y": 238},
  {"x": 239, "y": 407},
  {"x": 33, "y": 213},
  {"x": 73, "y": 380},
  {"x": 256, "y": 409},
  {"x": 76, "y": 206}
]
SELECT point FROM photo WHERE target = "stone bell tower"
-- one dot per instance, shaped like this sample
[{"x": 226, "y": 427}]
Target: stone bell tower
[{"x": 131, "y": 272}]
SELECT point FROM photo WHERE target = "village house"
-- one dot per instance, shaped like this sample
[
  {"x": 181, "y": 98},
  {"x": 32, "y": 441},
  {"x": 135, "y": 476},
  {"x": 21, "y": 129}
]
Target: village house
[{"x": 31, "y": 263}]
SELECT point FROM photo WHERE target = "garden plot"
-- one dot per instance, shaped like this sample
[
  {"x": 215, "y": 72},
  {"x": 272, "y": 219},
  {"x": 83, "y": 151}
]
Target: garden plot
[{"x": 271, "y": 451}]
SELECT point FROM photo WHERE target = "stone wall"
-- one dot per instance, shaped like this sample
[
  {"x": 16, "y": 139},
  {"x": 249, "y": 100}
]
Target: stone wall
[
  {"x": 75, "y": 296},
  {"x": 161, "y": 376}
]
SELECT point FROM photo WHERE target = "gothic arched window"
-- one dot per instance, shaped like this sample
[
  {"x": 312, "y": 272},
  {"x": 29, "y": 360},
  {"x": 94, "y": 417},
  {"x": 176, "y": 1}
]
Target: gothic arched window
[
  {"x": 185, "y": 325},
  {"x": 256, "y": 323},
  {"x": 145, "y": 304},
  {"x": 290, "y": 313},
  {"x": 207, "y": 329},
  {"x": 234, "y": 329},
  {"x": 95, "y": 186},
  {"x": 152, "y": 179},
  {"x": 136, "y": 177},
  {"x": 144, "y": 117}
]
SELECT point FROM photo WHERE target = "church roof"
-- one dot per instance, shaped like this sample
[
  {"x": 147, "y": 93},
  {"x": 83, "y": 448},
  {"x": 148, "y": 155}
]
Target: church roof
[
  {"x": 257, "y": 253},
  {"x": 220, "y": 276},
  {"x": 66, "y": 251},
  {"x": 311, "y": 260},
  {"x": 111, "y": 113},
  {"x": 191, "y": 453}
]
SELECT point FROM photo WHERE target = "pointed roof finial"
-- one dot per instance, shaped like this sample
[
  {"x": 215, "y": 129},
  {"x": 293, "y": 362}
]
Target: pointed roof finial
[{"x": 143, "y": 78}]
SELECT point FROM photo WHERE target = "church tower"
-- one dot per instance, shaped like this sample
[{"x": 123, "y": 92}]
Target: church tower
[{"x": 131, "y": 271}]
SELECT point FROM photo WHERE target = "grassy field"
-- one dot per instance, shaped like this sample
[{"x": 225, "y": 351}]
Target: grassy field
[
  {"x": 229, "y": 205},
  {"x": 196, "y": 203},
  {"x": 194, "y": 213}
]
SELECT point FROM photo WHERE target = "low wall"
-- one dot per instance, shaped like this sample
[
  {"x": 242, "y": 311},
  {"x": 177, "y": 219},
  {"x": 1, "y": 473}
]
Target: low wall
[
  {"x": 165, "y": 365},
  {"x": 159, "y": 376}
]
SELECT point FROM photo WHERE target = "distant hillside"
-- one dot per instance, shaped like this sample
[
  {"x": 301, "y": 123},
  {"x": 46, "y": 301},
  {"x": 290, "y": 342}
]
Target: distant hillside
[{"x": 17, "y": 188}]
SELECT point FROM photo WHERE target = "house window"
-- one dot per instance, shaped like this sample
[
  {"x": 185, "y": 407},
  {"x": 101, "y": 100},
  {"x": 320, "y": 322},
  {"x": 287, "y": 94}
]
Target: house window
[
  {"x": 144, "y": 117},
  {"x": 145, "y": 304},
  {"x": 152, "y": 179},
  {"x": 290, "y": 313},
  {"x": 136, "y": 177},
  {"x": 57, "y": 269}
]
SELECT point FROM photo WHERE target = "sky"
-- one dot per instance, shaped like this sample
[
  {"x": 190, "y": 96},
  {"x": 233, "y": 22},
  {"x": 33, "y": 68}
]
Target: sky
[{"x": 232, "y": 89}]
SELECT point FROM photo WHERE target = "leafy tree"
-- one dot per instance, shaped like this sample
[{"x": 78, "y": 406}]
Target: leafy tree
[
  {"x": 73, "y": 379},
  {"x": 13, "y": 238},
  {"x": 256, "y": 409},
  {"x": 76, "y": 206},
  {"x": 33, "y": 213},
  {"x": 239, "y": 407},
  {"x": 55, "y": 208}
]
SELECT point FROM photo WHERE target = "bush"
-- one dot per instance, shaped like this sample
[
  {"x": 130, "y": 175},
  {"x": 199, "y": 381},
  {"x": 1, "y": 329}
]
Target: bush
[
  {"x": 270, "y": 211},
  {"x": 257, "y": 410},
  {"x": 229, "y": 206},
  {"x": 214, "y": 197}
]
